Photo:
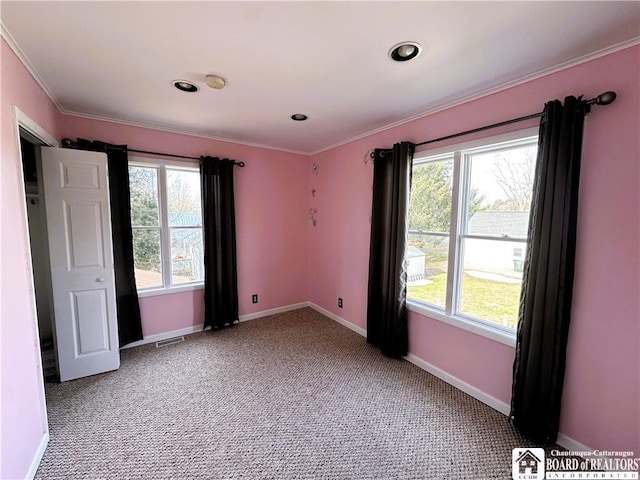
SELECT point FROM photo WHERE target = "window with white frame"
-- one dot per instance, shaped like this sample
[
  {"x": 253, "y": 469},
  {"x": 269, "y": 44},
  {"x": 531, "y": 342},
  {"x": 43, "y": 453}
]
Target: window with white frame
[
  {"x": 468, "y": 223},
  {"x": 166, "y": 220}
]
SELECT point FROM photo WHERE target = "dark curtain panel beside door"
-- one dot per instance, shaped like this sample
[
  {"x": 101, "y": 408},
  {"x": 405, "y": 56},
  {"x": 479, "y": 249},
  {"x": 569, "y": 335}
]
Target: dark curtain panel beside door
[
  {"x": 219, "y": 226},
  {"x": 386, "y": 305},
  {"x": 129, "y": 320},
  {"x": 545, "y": 304}
]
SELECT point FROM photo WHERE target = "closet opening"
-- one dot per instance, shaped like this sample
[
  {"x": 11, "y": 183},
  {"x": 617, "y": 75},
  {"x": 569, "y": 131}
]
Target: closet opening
[{"x": 37, "y": 227}]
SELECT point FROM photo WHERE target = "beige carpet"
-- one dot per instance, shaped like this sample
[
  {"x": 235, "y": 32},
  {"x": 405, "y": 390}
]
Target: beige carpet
[{"x": 292, "y": 396}]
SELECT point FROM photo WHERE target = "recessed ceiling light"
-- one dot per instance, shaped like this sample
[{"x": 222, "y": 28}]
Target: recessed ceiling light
[
  {"x": 185, "y": 86},
  {"x": 404, "y": 51},
  {"x": 299, "y": 117},
  {"x": 216, "y": 82}
]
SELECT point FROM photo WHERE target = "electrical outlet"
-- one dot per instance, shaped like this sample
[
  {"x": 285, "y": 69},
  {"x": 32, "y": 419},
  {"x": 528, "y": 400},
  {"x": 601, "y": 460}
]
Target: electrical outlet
[
  {"x": 339, "y": 302},
  {"x": 254, "y": 298}
]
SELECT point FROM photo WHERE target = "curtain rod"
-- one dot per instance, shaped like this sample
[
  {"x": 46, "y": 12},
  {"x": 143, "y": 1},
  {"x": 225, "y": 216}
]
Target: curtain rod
[
  {"x": 603, "y": 99},
  {"x": 480, "y": 129},
  {"x": 68, "y": 143}
]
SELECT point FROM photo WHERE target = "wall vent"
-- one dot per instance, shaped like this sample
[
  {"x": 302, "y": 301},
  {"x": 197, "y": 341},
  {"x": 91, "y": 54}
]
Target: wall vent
[{"x": 169, "y": 341}]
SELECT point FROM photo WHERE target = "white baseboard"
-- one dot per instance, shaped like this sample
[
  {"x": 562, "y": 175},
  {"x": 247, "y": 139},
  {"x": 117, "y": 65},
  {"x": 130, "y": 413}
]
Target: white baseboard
[
  {"x": 199, "y": 328},
  {"x": 340, "y": 320},
  {"x": 467, "y": 388},
  {"x": 502, "y": 407},
  {"x": 571, "y": 444},
  {"x": 273, "y": 311},
  {"x": 489, "y": 400},
  {"x": 165, "y": 336},
  {"x": 37, "y": 457}
]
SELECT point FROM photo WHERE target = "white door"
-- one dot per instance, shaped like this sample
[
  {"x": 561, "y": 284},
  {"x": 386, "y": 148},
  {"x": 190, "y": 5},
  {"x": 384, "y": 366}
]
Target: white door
[{"x": 76, "y": 196}]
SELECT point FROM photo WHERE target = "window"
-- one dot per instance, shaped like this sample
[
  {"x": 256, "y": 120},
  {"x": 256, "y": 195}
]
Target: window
[
  {"x": 467, "y": 238},
  {"x": 166, "y": 220}
]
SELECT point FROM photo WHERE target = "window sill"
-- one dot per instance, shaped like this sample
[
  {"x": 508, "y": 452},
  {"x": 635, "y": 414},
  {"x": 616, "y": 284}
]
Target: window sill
[
  {"x": 462, "y": 323},
  {"x": 152, "y": 292}
]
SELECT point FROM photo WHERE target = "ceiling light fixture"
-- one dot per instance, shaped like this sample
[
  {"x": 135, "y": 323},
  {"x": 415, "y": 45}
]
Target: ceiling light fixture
[
  {"x": 404, "y": 51},
  {"x": 299, "y": 117},
  {"x": 185, "y": 86},
  {"x": 216, "y": 82}
]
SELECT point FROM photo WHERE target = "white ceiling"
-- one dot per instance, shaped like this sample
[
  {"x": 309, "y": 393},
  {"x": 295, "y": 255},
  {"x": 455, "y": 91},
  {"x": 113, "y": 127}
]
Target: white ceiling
[{"x": 116, "y": 60}]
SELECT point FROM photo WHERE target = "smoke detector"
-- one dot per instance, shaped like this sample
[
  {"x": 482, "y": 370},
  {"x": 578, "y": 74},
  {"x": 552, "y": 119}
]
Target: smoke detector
[{"x": 216, "y": 82}]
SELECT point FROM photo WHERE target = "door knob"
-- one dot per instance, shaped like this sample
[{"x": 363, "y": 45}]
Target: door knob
[{"x": 100, "y": 279}]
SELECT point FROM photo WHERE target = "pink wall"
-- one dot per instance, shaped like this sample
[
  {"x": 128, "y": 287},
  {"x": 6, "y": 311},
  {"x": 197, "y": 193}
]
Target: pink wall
[
  {"x": 287, "y": 261},
  {"x": 602, "y": 388},
  {"x": 165, "y": 313},
  {"x": 271, "y": 216},
  {"x": 21, "y": 402},
  {"x": 339, "y": 243}
]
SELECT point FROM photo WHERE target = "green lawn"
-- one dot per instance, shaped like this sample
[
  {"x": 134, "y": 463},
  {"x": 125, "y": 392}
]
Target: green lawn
[
  {"x": 433, "y": 293},
  {"x": 494, "y": 301}
]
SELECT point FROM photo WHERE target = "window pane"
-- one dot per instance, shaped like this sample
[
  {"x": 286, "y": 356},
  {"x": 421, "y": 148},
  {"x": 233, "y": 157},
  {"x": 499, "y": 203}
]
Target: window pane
[
  {"x": 500, "y": 191},
  {"x": 187, "y": 260},
  {"x": 146, "y": 258},
  {"x": 492, "y": 280},
  {"x": 427, "y": 257},
  {"x": 143, "y": 182},
  {"x": 430, "y": 203},
  {"x": 184, "y": 203}
]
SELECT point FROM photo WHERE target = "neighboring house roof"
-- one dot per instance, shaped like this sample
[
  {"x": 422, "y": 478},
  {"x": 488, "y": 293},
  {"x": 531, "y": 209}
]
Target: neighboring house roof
[
  {"x": 513, "y": 224},
  {"x": 179, "y": 219},
  {"x": 192, "y": 236},
  {"x": 414, "y": 252}
]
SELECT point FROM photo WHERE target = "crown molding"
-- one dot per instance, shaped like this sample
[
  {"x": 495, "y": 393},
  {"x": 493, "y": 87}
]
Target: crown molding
[
  {"x": 4, "y": 33},
  {"x": 468, "y": 98},
  {"x": 178, "y": 131},
  {"x": 490, "y": 91}
]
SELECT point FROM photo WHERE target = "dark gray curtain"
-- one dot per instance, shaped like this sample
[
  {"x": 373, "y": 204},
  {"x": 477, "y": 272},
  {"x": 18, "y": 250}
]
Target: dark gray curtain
[
  {"x": 386, "y": 306},
  {"x": 219, "y": 226},
  {"x": 129, "y": 321},
  {"x": 545, "y": 304}
]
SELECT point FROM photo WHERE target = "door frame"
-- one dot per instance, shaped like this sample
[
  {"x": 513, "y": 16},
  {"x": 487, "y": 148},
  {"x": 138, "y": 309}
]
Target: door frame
[{"x": 40, "y": 137}]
